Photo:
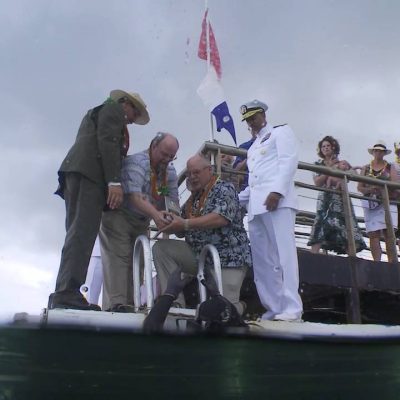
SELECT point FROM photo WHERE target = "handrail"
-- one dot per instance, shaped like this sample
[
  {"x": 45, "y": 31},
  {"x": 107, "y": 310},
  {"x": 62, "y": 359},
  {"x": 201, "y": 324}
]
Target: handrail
[
  {"x": 350, "y": 175},
  {"x": 235, "y": 151},
  {"x": 209, "y": 249},
  {"x": 142, "y": 245},
  {"x": 216, "y": 149}
]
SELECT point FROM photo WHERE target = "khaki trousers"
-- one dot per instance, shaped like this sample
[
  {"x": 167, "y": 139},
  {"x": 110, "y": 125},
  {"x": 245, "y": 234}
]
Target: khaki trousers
[
  {"x": 118, "y": 233},
  {"x": 168, "y": 255}
]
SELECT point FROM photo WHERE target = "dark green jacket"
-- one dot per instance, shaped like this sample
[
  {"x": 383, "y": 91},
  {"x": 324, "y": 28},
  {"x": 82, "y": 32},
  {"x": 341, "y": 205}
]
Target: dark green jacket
[{"x": 97, "y": 151}]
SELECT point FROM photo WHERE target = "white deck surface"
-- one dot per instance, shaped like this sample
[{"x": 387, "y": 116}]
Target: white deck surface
[
  {"x": 93, "y": 319},
  {"x": 320, "y": 330},
  {"x": 133, "y": 321}
]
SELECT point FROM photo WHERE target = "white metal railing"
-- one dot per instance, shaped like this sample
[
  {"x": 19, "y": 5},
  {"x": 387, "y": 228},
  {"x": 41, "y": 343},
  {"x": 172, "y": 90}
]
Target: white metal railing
[
  {"x": 387, "y": 187},
  {"x": 209, "y": 249},
  {"x": 142, "y": 246}
]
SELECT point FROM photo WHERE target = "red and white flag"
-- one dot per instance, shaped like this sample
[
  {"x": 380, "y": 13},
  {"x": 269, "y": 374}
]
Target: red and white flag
[
  {"x": 210, "y": 89},
  {"x": 202, "y": 52}
]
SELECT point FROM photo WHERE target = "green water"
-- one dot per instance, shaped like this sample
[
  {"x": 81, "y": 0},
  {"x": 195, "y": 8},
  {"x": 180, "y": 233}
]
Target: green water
[{"x": 79, "y": 364}]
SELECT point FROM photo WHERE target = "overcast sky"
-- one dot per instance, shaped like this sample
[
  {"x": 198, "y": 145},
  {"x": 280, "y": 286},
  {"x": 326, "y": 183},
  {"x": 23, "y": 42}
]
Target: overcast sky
[{"x": 324, "y": 67}]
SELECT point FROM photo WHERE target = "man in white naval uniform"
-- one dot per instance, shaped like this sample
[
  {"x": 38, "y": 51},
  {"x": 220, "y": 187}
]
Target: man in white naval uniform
[{"x": 271, "y": 203}]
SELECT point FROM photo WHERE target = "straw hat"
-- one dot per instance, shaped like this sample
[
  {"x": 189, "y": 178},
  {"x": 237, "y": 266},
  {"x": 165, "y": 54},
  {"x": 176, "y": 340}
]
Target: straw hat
[
  {"x": 137, "y": 101},
  {"x": 379, "y": 145}
]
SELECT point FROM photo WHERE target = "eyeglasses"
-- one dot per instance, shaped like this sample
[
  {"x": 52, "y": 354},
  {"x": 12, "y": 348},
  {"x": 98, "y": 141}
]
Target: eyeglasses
[{"x": 196, "y": 172}]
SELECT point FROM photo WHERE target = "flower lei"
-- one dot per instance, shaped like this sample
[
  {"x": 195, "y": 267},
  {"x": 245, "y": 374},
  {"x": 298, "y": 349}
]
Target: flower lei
[
  {"x": 397, "y": 152},
  {"x": 190, "y": 213},
  {"x": 109, "y": 100},
  {"x": 162, "y": 189},
  {"x": 379, "y": 173}
]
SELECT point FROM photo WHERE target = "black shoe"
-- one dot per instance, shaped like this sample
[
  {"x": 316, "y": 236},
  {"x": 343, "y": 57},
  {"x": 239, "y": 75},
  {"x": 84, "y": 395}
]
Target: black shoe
[
  {"x": 70, "y": 301},
  {"x": 175, "y": 304},
  {"x": 122, "y": 308}
]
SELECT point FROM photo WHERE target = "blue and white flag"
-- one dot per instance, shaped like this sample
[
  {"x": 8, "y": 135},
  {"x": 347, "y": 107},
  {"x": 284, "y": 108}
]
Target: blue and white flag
[{"x": 212, "y": 94}]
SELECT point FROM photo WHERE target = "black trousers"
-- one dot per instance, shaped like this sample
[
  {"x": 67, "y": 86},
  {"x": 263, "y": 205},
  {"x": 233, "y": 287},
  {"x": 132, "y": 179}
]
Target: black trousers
[{"x": 84, "y": 203}]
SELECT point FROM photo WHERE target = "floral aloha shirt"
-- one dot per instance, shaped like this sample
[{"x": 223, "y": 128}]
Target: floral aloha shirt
[{"x": 231, "y": 240}]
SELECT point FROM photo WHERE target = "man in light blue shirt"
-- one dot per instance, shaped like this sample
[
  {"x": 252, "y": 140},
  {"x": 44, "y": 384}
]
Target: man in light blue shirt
[{"x": 148, "y": 177}]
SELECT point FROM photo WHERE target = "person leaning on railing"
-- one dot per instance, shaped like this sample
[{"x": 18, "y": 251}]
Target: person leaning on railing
[
  {"x": 329, "y": 229},
  {"x": 374, "y": 212}
]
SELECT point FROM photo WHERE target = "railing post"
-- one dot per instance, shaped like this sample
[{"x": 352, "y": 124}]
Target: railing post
[
  {"x": 353, "y": 310},
  {"x": 142, "y": 244},
  {"x": 391, "y": 250},
  {"x": 348, "y": 217},
  {"x": 218, "y": 162}
]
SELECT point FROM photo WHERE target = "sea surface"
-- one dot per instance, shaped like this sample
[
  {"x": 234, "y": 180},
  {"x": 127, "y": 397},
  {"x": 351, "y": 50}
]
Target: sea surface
[{"x": 47, "y": 363}]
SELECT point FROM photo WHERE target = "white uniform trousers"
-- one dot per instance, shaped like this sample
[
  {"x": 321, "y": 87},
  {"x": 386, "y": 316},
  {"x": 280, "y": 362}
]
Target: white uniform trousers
[{"x": 276, "y": 271}]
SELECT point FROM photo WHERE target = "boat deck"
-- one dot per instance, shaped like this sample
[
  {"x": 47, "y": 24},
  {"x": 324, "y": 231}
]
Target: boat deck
[{"x": 176, "y": 322}]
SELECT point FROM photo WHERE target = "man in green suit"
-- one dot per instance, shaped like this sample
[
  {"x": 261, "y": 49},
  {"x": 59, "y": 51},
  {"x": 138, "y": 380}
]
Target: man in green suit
[{"x": 90, "y": 180}]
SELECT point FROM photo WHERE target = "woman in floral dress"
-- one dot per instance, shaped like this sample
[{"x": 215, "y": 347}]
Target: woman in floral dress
[{"x": 329, "y": 229}]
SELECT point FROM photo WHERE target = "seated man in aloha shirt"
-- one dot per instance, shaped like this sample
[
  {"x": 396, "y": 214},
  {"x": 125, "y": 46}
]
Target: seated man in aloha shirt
[{"x": 211, "y": 215}]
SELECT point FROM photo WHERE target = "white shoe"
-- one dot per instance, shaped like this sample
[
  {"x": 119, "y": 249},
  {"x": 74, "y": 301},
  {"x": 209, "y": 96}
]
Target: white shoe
[{"x": 288, "y": 317}]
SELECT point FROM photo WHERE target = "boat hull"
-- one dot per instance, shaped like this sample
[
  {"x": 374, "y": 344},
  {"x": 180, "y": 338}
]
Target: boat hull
[{"x": 75, "y": 363}]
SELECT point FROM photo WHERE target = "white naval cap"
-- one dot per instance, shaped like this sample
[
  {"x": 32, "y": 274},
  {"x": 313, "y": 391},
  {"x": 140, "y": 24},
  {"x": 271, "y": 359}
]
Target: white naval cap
[{"x": 251, "y": 108}]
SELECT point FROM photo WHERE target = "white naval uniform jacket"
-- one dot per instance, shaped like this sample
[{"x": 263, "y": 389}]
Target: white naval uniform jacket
[{"x": 272, "y": 162}]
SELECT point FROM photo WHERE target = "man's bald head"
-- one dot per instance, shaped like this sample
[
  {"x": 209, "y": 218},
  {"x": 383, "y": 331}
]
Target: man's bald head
[
  {"x": 197, "y": 161},
  {"x": 164, "y": 136},
  {"x": 163, "y": 149},
  {"x": 199, "y": 172}
]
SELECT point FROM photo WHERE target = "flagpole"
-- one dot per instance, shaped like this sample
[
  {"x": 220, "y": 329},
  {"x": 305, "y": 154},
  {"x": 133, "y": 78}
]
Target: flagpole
[
  {"x": 210, "y": 89},
  {"x": 209, "y": 63}
]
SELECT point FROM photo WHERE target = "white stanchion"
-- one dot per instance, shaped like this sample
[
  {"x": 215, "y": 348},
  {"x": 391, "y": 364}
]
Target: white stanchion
[
  {"x": 209, "y": 249},
  {"x": 142, "y": 245}
]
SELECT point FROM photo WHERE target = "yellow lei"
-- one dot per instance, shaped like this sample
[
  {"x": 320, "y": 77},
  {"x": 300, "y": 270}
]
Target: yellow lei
[{"x": 189, "y": 205}]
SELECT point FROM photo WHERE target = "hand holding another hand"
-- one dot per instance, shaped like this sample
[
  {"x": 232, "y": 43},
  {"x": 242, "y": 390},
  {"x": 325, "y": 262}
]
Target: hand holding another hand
[
  {"x": 162, "y": 219},
  {"x": 175, "y": 225}
]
